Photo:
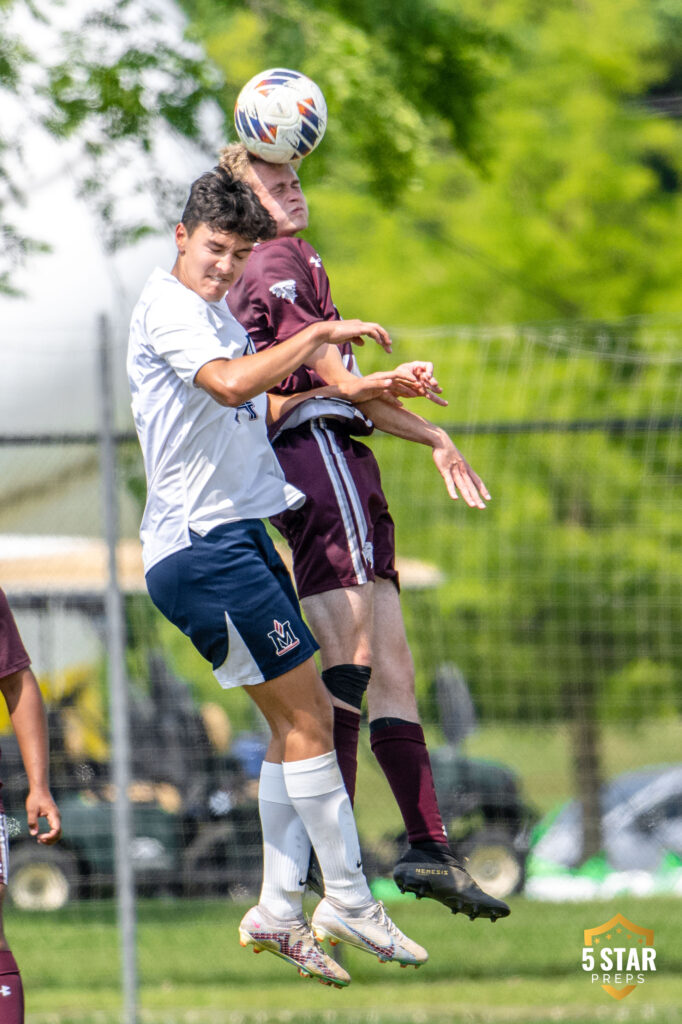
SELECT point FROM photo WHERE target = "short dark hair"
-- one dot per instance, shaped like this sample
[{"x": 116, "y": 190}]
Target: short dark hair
[{"x": 225, "y": 204}]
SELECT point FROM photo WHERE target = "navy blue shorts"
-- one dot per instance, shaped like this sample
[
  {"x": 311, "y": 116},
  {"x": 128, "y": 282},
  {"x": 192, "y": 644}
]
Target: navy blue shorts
[{"x": 231, "y": 594}]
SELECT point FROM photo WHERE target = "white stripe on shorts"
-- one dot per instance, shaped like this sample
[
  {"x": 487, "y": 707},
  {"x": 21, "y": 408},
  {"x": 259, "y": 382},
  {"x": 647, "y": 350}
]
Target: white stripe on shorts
[
  {"x": 352, "y": 516},
  {"x": 240, "y": 667},
  {"x": 4, "y": 851}
]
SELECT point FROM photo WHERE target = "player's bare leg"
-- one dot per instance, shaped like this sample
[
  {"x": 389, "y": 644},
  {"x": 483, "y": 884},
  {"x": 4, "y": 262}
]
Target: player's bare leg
[
  {"x": 428, "y": 868},
  {"x": 342, "y": 622}
]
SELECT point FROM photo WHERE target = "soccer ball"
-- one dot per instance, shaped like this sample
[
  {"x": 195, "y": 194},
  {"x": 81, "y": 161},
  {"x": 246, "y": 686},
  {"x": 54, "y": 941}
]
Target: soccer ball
[{"x": 280, "y": 115}]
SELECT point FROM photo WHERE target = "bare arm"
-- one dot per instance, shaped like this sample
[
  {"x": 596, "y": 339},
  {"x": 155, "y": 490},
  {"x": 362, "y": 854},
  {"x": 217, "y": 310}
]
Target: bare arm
[
  {"x": 409, "y": 380},
  {"x": 451, "y": 464},
  {"x": 393, "y": 419},
  {"x": 356, "y": 390},
  {"x": 233, "y": 381},
  {"x": 27, "y": 713}
]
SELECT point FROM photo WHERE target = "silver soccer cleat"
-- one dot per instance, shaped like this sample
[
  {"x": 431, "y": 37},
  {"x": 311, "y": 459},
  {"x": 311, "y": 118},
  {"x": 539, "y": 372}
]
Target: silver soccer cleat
[{"x": 371, "y": 930}]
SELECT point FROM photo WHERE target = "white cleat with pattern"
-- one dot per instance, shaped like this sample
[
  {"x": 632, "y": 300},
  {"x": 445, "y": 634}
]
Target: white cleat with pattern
[
  {"x": 294, "y": 942},
  {"x": 370, "y": 929}
]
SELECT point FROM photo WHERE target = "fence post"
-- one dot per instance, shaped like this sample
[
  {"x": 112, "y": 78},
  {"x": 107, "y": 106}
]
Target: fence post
[{"x": 118, "y": 691}]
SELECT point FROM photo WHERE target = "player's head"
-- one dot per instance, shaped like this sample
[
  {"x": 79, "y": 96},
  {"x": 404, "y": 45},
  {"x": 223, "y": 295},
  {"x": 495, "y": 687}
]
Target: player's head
[
  {"x": 221, "y": 222},
  {"x": 276, "y": 185}
]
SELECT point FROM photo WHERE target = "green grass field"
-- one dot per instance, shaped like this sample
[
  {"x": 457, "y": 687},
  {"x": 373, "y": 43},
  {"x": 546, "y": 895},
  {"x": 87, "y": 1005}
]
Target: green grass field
[{"x": 525, "y": 970}]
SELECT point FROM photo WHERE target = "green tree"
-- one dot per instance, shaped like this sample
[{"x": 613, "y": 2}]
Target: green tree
[
  {"x": 107, "y": 82},
  {"x": 525, "y": 173},
  {"x": 399, "y": 77}
]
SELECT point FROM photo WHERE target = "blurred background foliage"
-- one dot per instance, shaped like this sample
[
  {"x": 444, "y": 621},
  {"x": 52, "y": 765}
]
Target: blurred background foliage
[
  {"x": 512, "y": 161},
  {"x": 492, "y": 163}
]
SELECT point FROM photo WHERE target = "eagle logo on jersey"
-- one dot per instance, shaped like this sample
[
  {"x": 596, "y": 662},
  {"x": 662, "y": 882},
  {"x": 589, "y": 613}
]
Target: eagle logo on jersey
[
  {"x": 283, "y": 637},
  {"x": 284, "y": 290},
  {"x": 315, "y": 261}
]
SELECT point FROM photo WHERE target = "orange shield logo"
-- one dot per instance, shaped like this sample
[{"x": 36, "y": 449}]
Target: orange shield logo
[{"x": 622, "y": 943}]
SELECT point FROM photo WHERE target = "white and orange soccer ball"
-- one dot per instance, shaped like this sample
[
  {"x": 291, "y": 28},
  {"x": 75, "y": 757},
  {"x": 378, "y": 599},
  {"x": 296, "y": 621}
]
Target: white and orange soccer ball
[{"x": 280, "y": 115}]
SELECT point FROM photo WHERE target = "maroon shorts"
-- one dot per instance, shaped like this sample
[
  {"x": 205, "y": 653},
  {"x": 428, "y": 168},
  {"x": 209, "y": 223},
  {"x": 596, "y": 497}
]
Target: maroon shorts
[
  {"x": 13, "y": 656},
  {"x": 343, "y": 535},
  {"x": 4, "y": 850}
]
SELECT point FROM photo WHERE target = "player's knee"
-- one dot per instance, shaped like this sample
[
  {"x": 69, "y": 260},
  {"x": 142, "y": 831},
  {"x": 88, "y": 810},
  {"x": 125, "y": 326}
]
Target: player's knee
[
  {"x": 312, "y": 729},
  {"x": 347, "y": 682}
]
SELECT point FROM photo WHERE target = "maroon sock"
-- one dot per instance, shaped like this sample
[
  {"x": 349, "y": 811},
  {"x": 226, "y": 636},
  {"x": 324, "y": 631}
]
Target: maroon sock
[
  {"x": 400, "y": 749},
  {"x": 346, "y": 733},
  {"x": 11, "y": 990}
]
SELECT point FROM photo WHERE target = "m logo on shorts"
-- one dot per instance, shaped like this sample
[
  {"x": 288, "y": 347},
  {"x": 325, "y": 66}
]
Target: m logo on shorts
[{"x": 283, "y": 637}]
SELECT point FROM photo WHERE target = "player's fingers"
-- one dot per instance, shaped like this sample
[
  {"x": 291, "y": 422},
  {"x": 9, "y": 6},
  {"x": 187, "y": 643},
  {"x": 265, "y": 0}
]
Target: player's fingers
[
  {"x": 379, "y": 334},
  {"x": 55, "y": 827},
  {"x": 421, "y": 368},
  {"x": 477, "y": 483},
  {"x": 407, "y": 388},
  {"x": 480, "y": 486},
  {"x": 435, "y": 398},
  {"x": 467, "y": 488},
  {"x": 450, "y": 484}
]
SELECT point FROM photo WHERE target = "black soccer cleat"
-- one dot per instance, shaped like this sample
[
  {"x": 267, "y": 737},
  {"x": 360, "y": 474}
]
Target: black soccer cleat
[
  {"x": 445, "y": 879},
  {"x": 313, "y": 879}
]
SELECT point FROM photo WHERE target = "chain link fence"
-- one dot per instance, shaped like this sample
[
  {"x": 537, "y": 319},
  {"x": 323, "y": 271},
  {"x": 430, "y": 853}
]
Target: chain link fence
[{"x": 545, "y": 632}]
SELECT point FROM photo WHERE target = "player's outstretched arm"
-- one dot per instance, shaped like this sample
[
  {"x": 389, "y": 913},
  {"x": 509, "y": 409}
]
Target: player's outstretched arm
[
  {"x": 27, "y": 714},
  {"x": 408, "y": 380},
  {"x": 355, "y": 389},
  {"x": 234, "y": 381},
  {"x": 459, "y": 477}
]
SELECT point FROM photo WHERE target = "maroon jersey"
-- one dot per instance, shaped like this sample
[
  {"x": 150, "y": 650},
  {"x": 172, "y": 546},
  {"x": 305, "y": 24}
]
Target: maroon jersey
[
  {"x": 13, "y": 656},
  {"x": 343, "y": 536},
  {"x": 284, "y": 288}
]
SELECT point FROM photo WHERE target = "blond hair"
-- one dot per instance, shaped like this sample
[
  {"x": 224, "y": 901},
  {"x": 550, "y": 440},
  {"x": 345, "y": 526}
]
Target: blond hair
[{"x": 236, "y": 159}]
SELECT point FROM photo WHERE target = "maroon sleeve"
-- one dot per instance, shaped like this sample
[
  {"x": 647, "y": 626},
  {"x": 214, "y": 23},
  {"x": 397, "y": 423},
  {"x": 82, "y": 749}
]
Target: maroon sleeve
[
  {"x": 283, "y": 289},
  {"x": 13, "y": 655}
]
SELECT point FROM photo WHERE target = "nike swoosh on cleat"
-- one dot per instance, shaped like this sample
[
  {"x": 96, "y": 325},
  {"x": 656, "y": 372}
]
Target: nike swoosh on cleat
[{"x": 387, "y": 951}]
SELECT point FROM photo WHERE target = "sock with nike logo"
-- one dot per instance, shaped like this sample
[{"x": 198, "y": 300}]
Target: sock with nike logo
[
  {"x": 286, "y": 846},
  {"x": 316, "y": 789}
]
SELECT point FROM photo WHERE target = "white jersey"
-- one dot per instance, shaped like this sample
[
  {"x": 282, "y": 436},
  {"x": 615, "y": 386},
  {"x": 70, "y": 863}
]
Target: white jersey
[{"x": 206, "y": 463}]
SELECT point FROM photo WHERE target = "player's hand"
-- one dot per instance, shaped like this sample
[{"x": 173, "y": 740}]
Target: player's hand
[
  {"x": 419, "y": 375},
  {"x": 375, "y": 385},
  {"x": 340, "y": 331},
  {"x": 41, "y": 805},
  {"x": 459, "y": 476}
]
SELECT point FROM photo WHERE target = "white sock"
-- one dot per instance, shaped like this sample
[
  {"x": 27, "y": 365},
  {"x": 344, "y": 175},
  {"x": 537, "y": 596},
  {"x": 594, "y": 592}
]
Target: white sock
[
  {"x": 286, "y": 846},
  {"x": 316, "y": 789}
]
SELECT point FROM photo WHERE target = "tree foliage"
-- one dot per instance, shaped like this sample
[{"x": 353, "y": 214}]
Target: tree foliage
[
  {"x": 526, "y": 173},
  {"x": 106, "y": 80},
  {"x": 398, "y": 77}
]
